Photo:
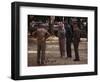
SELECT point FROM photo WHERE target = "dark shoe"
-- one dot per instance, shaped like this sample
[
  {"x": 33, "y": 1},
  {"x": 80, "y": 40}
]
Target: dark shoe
[
  {"x": 76, "y": 60},
  {"x": 38, "y": 62}
]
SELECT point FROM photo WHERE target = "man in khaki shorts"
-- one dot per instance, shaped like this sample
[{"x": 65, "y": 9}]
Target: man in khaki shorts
[{"x": 41, "y": 34}]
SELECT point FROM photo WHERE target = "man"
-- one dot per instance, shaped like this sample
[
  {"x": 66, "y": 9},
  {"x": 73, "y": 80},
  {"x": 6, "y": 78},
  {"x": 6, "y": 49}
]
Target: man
[
  {"x": 68, "y": 38},
  {"x": 76, "y": 38},
  {"x": 62, "y": 39},
  {"x": 41, "y": 34}
]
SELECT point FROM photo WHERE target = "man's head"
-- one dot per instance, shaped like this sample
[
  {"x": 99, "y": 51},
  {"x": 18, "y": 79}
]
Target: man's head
[{"x": 74, "y": 21}]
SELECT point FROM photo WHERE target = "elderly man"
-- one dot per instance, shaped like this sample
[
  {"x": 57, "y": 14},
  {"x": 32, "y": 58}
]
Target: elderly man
[
  {"x": 69, "y": 35},
  {"x": 62, "y": 39},
  {"x": 76, "y": 38},
  {"x": 41, "y": 34}
]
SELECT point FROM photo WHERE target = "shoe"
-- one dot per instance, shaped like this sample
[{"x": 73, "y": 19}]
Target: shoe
[
  {"x": 76, "y": 60},
  {"x": 38, "y": 63}
]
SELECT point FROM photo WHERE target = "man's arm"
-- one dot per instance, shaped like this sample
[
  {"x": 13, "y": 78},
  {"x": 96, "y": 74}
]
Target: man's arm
[
  {"x": 47, "y": 34},
  {"x": 34, "y": 34}
]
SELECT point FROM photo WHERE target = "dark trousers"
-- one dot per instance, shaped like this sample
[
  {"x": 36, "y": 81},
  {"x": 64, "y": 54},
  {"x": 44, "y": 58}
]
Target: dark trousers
[
  {"x": 62, "y": 46},
  {"x": 68, "y": 46},
  {"x": 76, "y": 40},
  {"x": 76, "y": 45},
  {"x": 41, "y": 52}
]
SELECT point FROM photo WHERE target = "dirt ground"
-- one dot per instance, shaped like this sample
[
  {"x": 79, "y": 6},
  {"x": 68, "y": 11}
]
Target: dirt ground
[{"x": 53, "y": 53}]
